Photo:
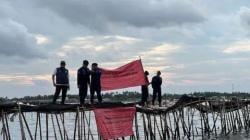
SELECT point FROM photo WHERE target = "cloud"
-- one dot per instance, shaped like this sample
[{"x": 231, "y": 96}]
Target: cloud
[
  {"x": 105, "y": 48},
  {"x": 203, "y": 79},
  {"x": 161, "y": 50},
  {"x": 24, "y": 79},
  {"x": 117, "y": 50},
  {"x": 41, "y": 39},
  {"x": 244, "y": 14},
  {"x": 189, "y": 41},
  {"x": 100, "y": 15},
  {"x": 238, "y": 47},
  {"x": 16, "y": 41}
]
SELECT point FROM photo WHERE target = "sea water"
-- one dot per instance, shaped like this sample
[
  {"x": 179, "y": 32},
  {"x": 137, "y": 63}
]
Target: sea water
[{"x": 69, "y": 119}]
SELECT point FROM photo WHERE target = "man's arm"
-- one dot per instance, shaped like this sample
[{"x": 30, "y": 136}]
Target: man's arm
[
  {"x": 153, "y": 82},
  {"x": 88, "y": 79},
  {"x": 53, "y": 78},
  {"x": 160, "y": 81},
  {"x": 147, "y": 81},
  {"x": 78, "y": 78},
  {"x": 88, "y": 76},
  {"x": 68, "y": 83}
]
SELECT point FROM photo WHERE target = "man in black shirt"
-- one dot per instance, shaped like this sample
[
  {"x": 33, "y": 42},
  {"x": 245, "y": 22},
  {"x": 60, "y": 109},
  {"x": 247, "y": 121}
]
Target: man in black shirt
[
  {"x": 144, "y": 89},
  {"x": 83, "y": 81},
  {"x": 61, "y": 83},
  {"x": 156, "y": 85},
  {"x": 95, "y": 84}
]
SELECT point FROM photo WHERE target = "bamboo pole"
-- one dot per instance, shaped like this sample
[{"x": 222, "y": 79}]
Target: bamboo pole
[
  {"x": 21, "y": 124},
  {"x": 53, "y": 124},
  {"x": 27, "y": 126}
]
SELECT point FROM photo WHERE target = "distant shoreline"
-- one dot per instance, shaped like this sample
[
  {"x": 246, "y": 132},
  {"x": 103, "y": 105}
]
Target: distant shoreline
[{"x": 127, "y": 96}]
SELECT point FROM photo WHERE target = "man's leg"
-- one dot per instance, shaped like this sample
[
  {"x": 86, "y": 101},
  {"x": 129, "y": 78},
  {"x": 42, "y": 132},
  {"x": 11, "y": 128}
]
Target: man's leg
[
  {"x": 85, "y": 92},
  {"x": 159, "y": 96},
  {"x": 92, "y": 93},
  {"x": 154, "y": 96},
  {"x": 146, "y": 95},
  {"x": 99, "y": 96},
  {"x": 142, "y": 99},
  {"x": 143, "y": 96},
  {"x": 64, "y": 93},
  {"x": 57, "y": 92},
  {"x": 81, "y": 95}
]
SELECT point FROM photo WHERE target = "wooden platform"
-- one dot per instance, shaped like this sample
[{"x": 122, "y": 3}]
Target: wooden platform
[{"x": 199, "y": 103}]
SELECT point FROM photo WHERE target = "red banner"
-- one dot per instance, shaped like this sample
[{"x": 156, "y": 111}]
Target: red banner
[
  {"x": 128, "y": 75},
  {"x": 114, "y": 123}
]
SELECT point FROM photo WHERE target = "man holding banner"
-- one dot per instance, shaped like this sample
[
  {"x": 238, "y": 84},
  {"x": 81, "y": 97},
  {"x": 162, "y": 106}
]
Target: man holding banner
[
  {"x": 144, "y": 90},
  {"x": 129, "y": 75},
  {"x": 95, "y": 84}
]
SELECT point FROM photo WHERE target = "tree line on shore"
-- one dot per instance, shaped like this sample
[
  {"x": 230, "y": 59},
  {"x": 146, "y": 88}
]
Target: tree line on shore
[{"x": 132, "y": 96}]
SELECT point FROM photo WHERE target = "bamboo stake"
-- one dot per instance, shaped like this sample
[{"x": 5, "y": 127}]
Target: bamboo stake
[
  {"x": 53, "y": 124},
  {"x": 21, "y": 124}
]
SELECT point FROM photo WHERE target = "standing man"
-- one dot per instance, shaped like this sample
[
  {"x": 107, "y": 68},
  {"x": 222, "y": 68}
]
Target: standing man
[
  {"x": 156, "y": 85},
  {"x": 95, "y": 84},
  {"x": 83, "y": 81},
  {"x": 144, "y": 89},
  {"x": 62, "y": 81}
]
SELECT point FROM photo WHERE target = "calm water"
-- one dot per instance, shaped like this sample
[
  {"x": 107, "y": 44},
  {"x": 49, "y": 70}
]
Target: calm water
[{"x": 69, "y": 126}]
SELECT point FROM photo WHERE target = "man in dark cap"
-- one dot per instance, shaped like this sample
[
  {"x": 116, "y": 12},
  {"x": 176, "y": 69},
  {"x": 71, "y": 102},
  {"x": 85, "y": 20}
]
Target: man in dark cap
[
  {"x": 144, "y": 89},
  {"x": 156, "y": 85},
  {"x": 83, "y": 81},
  {"x": 62, "y": 82},
  {"x": 95, "y": 84}
]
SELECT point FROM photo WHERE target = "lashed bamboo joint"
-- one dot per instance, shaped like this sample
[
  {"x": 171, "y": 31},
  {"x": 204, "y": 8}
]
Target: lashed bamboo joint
[{"x": 188, "y": 118}]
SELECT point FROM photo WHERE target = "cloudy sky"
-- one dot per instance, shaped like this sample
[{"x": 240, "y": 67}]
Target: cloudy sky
[{"x": 198, "y": 45}]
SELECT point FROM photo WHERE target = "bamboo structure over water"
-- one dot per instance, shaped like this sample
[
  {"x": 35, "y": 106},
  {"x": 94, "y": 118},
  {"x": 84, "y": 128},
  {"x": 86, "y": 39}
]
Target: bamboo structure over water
[{"x": 188, "y": 118}]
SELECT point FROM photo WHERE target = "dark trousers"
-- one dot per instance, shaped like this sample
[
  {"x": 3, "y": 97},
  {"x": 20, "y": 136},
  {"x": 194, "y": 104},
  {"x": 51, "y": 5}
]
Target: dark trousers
[
  {"x": 57, "y": 92},
  {"x": 92, "y": 94},
  {"x": 144, "y": 96},
  {"x": 157, "y": 91},
  {"x": 83, "y": 90}
]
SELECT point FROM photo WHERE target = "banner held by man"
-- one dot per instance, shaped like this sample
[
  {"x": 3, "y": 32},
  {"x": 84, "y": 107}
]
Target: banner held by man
[{"x": 129, "y": 75}]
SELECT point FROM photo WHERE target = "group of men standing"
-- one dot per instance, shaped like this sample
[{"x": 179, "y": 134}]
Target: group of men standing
[
  {"x": 85, "y": 78},
  {"x": 83, "y": 81}
]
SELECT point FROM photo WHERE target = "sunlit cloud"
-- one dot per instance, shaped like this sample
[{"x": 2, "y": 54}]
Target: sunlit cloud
[
  {"x": 161, "y": 50},
  {"x": 239, "y": 47},
  {"x": 41, "y": 39},
  {"x": 24, "y": 79},
  {"x": 95, "y": 44}
]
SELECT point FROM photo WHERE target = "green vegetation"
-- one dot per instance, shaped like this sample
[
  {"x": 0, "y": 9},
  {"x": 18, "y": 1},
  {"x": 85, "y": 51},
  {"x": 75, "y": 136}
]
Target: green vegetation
[{"x": 128, "y": 96}]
